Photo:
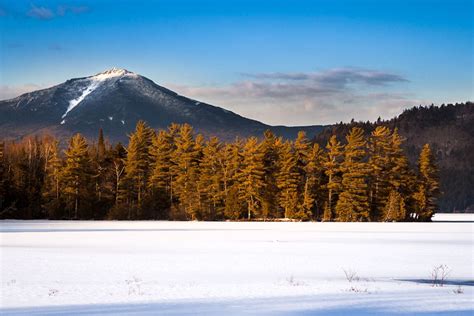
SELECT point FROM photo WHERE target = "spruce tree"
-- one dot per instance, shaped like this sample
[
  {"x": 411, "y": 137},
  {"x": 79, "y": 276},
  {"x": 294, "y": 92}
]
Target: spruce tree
[{"x": 353, "y": 202}]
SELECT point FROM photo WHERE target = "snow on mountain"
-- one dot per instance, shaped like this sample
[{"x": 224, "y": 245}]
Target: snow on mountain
[
  {"x": 86, "y": 104},
  {"x": 95, "y": 81}
]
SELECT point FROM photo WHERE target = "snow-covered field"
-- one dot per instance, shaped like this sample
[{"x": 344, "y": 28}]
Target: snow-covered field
[{"x": 224, "y": 268}]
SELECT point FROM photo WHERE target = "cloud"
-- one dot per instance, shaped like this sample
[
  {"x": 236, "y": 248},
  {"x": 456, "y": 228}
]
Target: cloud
[
  {"x": 310, "y": 98},
  {"x": 44, "y": 13},
  {"x": 8, "y": 92},
  {"x": 338, "y": 77},
  {"x": 41, "y": 13},
  {"x": 62, "y": 10}
]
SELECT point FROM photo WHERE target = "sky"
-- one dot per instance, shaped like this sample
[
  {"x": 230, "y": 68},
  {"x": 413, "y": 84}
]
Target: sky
[{"x": 281, "y": 62}]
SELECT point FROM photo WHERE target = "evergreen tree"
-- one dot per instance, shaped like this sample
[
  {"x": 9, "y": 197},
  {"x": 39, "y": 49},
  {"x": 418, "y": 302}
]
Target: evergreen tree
[
  {"x": 210, "y": 180},
  {"x": 395, "y": 208},
  {"x": 185, "y": 159},
  {"x": 101, "y": 150},
  {"x": 77, "y": 175},
  {"x": 313, "y": 175},
  {"x": 3, "y": 177},
  {"x": 137, "y": 166},
  {"x": 270, "y": 148},
  {"x": 401, "y": 178},
  {"x": 380, "y": 164},
  {"x": 231, "y": 164},
  {"x": 160, "y": 178},
  {"x": 353, "y": 202},
  {"x": 332, "y": 169},
  {"x": 52, "y": 184},
  {"x": 251, "y": 177},
  {"x": 428, "y": 185},
  {"x": 287, "y": 180}
]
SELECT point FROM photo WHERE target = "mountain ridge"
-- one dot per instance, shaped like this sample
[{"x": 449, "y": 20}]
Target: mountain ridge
[{"x": 115, "y": 100}]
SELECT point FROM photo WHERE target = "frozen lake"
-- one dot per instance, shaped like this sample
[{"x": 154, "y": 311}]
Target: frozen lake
[{"x": 59, "y": 267}]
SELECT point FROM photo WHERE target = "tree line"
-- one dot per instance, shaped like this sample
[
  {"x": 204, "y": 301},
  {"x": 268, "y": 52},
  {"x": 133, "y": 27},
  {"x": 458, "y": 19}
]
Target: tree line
[{"x": 178, "y": 175}]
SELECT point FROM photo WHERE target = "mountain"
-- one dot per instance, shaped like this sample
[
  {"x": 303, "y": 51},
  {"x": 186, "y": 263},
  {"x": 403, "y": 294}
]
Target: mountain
[
  {"x": 115, "y": 100},
  {"x": 449, "y": 129}
]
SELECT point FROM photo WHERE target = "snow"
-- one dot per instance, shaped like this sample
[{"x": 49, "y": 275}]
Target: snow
[
  {"x": 93, "y": 83},
  {"x": 453, "y": 217},
  {"x": 233, "y": 268},
  {"x": 75, "y": 102}
]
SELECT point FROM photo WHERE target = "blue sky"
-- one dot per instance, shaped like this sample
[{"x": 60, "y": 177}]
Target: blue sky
[{"x": 281, "y": 62}]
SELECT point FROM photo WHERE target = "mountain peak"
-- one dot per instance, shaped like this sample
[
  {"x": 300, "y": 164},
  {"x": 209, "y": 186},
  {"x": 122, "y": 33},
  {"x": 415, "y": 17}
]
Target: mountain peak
[{"x": 113, "y": 72}]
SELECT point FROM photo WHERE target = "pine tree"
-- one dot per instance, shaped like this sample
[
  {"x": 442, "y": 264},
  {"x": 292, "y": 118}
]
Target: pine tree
[
  {"x": 76, "y": 174},
  {"x": 401, "y": 178},
  {"x": 101, "y": 150},
  {"x": 395, "y": 208},
  {"x": 428, "y": 185},
  {"x": 52, "y": 182},
  {"x": 287, "y": 181},
  {"x": 311, "y": 195},
  {"x": 327, "y": 215},
  {"x": 3, "y": 176},
  {"x": 353, "y": 202},
  {"x": 231, "y": 164},
  {"x": 332, "y": 169},
  {"x": 251, "y": 177},
  {"x": 210, "y": 180},
  {"x": 185, "y": 159},
  {"x": 137, "y": 166},
  {"x": 270, "y": 148},
  {"x": 160, "y": 177},
  {"x": 380, "y": 164}
]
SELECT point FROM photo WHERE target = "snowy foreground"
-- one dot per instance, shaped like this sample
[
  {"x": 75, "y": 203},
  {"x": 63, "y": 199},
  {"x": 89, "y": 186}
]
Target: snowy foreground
[{"x": 223, "y": 268}]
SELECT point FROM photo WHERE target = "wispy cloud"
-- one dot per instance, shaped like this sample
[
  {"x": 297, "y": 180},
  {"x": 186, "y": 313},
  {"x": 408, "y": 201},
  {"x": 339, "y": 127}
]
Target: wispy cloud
[
  {"x": 338, "y": 77},
  {"x": 45, "y": 13},
  {"x": 41, "y": 13},
  {"x": 64, "y": 9},
  {"x": 310, "y": 98}
]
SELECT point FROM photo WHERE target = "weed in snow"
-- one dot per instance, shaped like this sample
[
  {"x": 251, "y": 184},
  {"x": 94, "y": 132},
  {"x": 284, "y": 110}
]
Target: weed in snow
[
  {"x": 351, "y": 275},
  {"x": 291, "y": 281},
  {"x": 458, "y": 290},
  {"x": 134, "y": 286},
  {"x": 439, "y": 275}
]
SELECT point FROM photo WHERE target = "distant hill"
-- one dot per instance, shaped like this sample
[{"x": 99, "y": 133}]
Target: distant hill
[
  {"x": 115, "y": 100},
  {"x": 449, "y": 129}
]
